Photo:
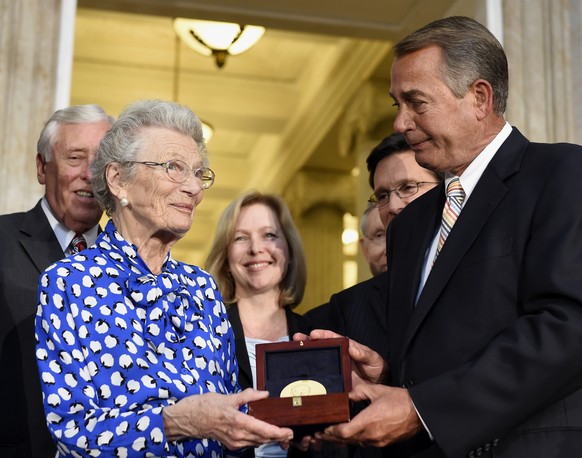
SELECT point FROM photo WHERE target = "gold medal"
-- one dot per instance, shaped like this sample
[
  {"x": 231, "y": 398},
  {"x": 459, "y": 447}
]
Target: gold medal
[{"x": 303, "y": 388}]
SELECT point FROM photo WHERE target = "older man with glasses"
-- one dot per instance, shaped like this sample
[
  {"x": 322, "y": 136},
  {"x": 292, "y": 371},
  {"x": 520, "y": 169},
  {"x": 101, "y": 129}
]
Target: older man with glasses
[{"x": 373, "y": 240}]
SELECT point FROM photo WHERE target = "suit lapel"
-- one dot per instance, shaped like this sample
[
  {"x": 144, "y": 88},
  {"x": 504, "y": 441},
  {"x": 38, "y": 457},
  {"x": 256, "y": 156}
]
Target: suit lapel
[
  {"x": 425, "y": 234},
  {"x": 414, "y": 232},
  {"x": 486, "y": 196},
  {"x": 39, "y": 240},
  {"x": 245, "y": 375}
]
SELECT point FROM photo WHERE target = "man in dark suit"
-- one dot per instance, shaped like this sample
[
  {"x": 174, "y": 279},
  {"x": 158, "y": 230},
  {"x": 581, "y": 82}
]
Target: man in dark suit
[
  {"x": 29, "y": 243},
  {"x": 359, "y": 312},
  {"x": 485, "y": 330}
]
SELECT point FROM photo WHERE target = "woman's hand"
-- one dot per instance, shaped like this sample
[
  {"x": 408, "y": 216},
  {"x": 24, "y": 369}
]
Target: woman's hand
[
  {"x": 217, "y": 416},
  {"x": 367, "y": 365}
]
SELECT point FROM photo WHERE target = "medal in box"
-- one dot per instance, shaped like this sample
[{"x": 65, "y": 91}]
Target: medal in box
[{"x": 308, "y": 383}]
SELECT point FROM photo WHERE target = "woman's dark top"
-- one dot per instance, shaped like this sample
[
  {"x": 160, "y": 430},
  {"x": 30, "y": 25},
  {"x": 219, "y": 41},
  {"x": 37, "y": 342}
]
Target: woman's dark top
[{"x": 295, "y": 323}]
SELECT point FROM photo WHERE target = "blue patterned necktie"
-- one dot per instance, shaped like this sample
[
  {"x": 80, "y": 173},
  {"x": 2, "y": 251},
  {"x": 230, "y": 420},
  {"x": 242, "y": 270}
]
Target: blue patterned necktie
[
  {"x": 78, "y": 243},
  {"x": 451, "y": 211}
]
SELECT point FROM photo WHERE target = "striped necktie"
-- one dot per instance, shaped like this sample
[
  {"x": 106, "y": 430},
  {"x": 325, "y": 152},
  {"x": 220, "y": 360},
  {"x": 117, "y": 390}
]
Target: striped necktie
[
  {"x": 451, "y": 211},
  {"x": 77, "y": 244}
]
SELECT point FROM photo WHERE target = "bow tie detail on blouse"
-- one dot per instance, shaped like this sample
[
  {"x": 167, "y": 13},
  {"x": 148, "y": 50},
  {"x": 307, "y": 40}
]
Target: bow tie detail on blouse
[{"x": 162, "y": 299}]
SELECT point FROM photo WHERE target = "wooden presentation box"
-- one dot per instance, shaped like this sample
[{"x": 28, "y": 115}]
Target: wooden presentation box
[{"x": 308, "y": 383}]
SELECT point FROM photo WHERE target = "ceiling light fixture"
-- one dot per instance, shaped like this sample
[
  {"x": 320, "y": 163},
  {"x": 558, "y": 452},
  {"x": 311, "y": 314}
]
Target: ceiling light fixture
[
  {"x": 207, "y": 131},
  {"x": 218, "y": 39}
]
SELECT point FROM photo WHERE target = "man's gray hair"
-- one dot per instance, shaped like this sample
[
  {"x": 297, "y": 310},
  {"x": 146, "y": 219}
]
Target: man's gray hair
[
  {"x": 76, "y": 114},
  {"x": 470, "y": 52}
]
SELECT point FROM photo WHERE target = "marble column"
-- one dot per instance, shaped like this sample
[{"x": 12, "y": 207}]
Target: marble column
[
  {"x": 542, "y": 39},
  {"x": 29, "y": 34},
  {"x": 575, "y": 61},
  {"x": 317, "y": 202},
  {"x": 321, "y": 231}
]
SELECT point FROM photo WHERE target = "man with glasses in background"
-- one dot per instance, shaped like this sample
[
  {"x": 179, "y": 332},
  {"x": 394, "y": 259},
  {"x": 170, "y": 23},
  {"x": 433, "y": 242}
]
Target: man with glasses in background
[
  {"x": 360, "y": 312},
  {"x": 396, "y": 177}
]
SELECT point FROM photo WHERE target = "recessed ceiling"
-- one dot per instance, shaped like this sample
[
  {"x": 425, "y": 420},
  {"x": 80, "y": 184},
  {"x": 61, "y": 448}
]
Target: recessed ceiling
[{"x": 274, "y": 108}]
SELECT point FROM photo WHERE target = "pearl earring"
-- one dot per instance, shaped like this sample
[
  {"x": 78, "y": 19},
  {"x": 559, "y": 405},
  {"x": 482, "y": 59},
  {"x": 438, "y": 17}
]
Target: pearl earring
[{"x": 124, "y": 202}]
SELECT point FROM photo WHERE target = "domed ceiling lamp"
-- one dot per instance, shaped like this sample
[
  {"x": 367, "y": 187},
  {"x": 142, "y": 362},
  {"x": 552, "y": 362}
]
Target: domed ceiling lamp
[
  {"x": 207, "y": 131},
  {"x": 218, "y": 39}
]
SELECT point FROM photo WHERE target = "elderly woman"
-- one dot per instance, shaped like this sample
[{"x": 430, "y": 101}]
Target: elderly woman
[
  {"x": 135, "y": 351},
  {"x": 257, "y": 258}
]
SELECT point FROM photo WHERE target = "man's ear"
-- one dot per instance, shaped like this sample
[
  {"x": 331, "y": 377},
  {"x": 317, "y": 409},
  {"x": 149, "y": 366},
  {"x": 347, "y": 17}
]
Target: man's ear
[
  {"x": 363, "y": 246},
  {"x": 40, "y": 169},
  {"x": 483, "y": 96}
]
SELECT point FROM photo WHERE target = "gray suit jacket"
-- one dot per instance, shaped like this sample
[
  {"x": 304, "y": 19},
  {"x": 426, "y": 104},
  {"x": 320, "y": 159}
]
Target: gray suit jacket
[{"x": 27, "y": 247}]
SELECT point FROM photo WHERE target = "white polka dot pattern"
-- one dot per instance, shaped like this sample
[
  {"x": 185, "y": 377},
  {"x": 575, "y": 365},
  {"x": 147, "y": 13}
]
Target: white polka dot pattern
[{"x": 116, "y": 344}]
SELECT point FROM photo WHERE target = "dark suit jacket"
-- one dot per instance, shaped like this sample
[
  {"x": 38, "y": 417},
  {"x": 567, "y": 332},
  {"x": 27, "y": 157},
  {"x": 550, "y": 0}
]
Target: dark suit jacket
[
  {"x": 27, "y": 247},
  {"x": 492, "y": 351},
  {"x": 358, "y": 312}
]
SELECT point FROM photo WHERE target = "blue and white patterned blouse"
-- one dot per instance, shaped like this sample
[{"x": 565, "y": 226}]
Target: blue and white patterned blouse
[{"x": 116, "y": 344}]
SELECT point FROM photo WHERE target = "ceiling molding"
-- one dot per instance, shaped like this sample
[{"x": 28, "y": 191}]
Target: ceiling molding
[
  {"x": 309, "y": 126},
  {"x": 363, "y": 19}
]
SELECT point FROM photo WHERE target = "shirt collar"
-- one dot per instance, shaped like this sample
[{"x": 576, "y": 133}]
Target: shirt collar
[
  {"x": 473, "y": 172},
  {"x": 63, "y": 233}
]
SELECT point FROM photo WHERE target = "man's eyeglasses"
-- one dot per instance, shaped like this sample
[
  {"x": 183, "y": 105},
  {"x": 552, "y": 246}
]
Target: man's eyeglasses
[
  {"x": 179, "y": 171},
  {"x": 404, "y": 190}
]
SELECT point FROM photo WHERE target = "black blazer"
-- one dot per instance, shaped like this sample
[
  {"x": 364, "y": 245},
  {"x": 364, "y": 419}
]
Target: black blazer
[
  {"x": 492, "y": 351},
  {"x": 358, "y": 312},
  {"x": 295, "y": 323},
  {"x": 27, "y": 247}
]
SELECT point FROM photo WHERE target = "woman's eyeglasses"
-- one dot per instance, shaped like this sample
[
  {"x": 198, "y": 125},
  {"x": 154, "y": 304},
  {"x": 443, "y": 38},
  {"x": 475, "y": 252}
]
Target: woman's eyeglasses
[{"x": 179, "y": 171}]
